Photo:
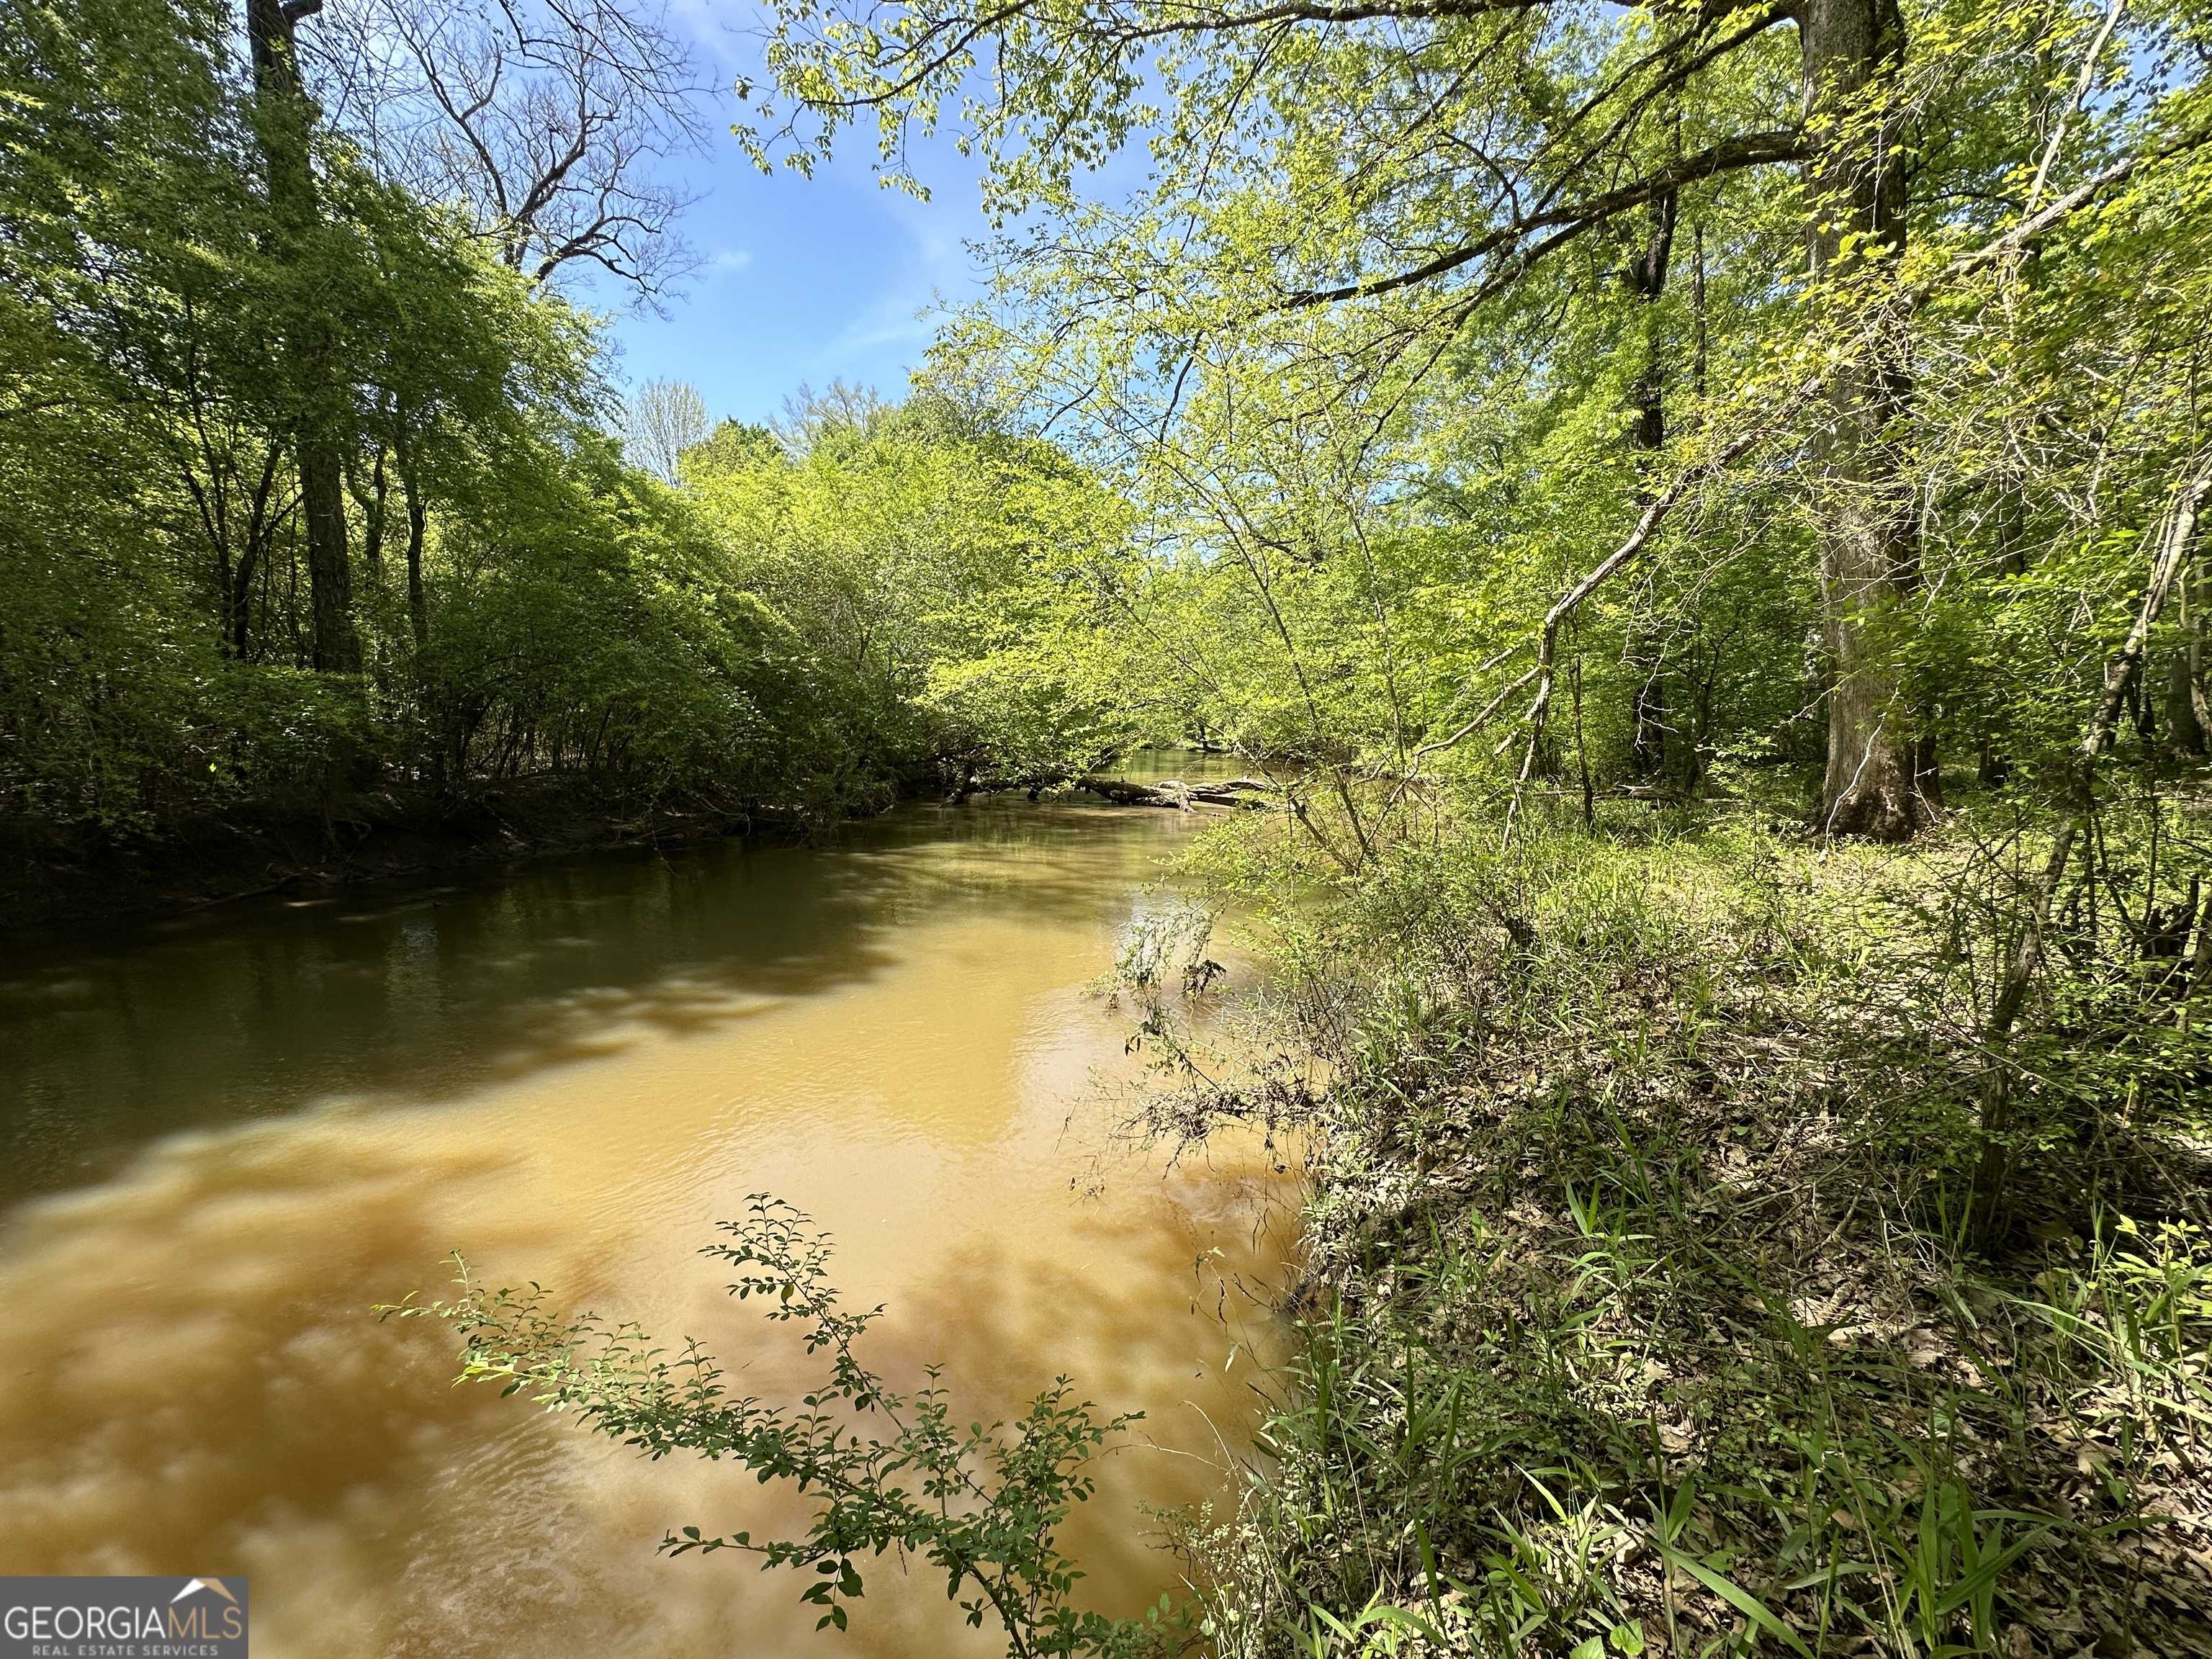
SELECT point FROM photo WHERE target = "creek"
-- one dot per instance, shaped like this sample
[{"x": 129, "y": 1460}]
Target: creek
[{"x": 224, "y": 1137}]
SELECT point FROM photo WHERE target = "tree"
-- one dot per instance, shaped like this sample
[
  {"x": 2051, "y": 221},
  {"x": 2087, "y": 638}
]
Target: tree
[
  {"x": 1413, "y": 165},
  {"x": 1880, "y": 774},
  {"x": 284, "y": 120},
  {"x": 732, "y": 446},
  {"x": 812, "y": 417},
  {"x": 660, "y": 422},
  {"x": 546, "y": 120},
  {"x": 944, "y": 577}
]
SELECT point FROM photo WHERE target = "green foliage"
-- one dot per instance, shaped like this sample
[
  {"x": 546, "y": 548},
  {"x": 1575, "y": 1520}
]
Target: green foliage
[
  {"x": 1367, "y": 344},
  {"x": 945, "y": 578},
  {"x": 888, "y": 1472},
  {"x": 804, "y": 638},
  {"x": 1639, "y": 1309},
  {"x": 1736, "y": 1244}
]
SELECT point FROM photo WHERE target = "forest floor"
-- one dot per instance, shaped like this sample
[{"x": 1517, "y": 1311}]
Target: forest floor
[{"x": 1642, "y": 1315}]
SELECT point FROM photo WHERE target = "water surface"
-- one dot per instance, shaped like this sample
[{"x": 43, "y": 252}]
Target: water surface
[{"x": 223, "y": 1139}]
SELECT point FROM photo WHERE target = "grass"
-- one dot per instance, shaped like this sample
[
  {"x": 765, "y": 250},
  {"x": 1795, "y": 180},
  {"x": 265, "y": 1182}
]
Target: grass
[{"x": 1640, "y": 1317}]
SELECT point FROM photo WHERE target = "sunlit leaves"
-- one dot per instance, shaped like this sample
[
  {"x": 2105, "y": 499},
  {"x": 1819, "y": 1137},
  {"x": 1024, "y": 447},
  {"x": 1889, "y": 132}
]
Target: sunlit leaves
[{"x": 885, "y": 1471}]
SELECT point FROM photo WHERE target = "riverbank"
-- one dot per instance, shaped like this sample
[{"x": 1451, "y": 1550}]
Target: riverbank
[
  {"x": 48, "y": 880},
  {"x": 1642, "y": 1315}
]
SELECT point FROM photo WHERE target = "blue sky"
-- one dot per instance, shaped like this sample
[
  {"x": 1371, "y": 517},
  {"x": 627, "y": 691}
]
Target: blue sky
[{"x": 804, "y": 279}]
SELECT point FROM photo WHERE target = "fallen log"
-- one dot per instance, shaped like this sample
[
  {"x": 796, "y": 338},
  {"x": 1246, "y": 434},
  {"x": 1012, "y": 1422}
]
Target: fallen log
[{"x": 1176, "y": 793}]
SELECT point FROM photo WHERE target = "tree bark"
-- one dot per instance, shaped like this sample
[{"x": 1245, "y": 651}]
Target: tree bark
[
  {"x": 1880, "y": 777},
  {"x": 238, "y": 600},
  {"x": 283, "y": 122},
  {"x": 330, "y": 573},
  {"x": 1172, "y": 792},
  {"x": 2184, "y": 679},
  {"x": 419, "y": 605},
  {"x": 1647, "y": 279},
  {"x": 373, "y": 497}
]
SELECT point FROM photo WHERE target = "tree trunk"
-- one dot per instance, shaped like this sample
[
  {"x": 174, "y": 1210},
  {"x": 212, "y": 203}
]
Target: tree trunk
[
  {"x": 1647, "y": 280},
  {"x": 2200, "y": 600},
  {"x": 283, "y": 121},
  {"x": 1881, "y": 780},
  {"x": 1648, "y": 746},
  {"x": 1252, "y": 793},
  {"x": 2185, "y": 681},
  {"x": 373, "y": 497},
  {"x": 419, "y": 607},
  {"x": 330, "y": 575},
  {"x": 238, "y": 598}
]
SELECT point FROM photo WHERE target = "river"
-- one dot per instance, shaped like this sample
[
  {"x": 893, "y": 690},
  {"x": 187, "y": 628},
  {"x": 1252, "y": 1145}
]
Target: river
[{"x": 223, "y": 1139}]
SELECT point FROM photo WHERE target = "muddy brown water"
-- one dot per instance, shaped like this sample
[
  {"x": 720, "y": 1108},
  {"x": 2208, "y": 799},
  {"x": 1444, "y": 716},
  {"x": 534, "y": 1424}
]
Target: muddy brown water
[{"x": 221, "y": 1140}]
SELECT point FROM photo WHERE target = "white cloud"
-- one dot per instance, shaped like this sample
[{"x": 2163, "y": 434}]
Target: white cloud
[
  {"x": 937, "y": 266},
  {"x": 706, "y": 23}
]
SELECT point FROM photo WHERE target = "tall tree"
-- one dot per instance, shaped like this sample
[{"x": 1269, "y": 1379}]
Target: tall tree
[
  {"x": 546, "y": 120},
  {"x": 284, "y": 120},
  {"x": 1645, "y": 275},
  {"x": 1880, "y": 774}
]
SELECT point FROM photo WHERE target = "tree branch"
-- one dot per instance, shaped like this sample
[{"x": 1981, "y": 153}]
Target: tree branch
[{"x": 1749, "y": 149}]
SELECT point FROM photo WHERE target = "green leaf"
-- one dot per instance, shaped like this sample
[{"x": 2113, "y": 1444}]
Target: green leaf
[{"x": 1737, "y": 1597}]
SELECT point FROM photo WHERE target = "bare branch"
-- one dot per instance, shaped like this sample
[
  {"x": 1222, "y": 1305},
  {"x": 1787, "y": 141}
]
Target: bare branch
[{"x": 543, "y": 118}]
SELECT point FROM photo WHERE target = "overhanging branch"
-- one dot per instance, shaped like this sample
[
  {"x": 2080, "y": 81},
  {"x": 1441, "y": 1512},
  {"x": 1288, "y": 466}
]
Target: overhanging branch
[{"x": 1731, "y": 154}]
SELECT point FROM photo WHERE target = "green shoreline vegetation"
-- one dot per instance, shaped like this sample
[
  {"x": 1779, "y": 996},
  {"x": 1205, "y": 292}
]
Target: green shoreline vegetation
[
  {"x": 1691, "y": 513},
  {"x": 510, "y": 623}
]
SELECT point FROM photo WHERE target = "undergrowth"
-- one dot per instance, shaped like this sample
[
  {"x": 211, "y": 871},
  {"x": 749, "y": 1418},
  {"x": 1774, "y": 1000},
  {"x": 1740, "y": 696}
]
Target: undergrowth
[{"x": 1641, "y": 1316}]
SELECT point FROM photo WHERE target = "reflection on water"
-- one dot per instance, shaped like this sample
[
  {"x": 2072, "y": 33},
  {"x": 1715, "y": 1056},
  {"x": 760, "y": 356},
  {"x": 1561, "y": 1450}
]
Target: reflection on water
[{"x": 225, "y": 1139}]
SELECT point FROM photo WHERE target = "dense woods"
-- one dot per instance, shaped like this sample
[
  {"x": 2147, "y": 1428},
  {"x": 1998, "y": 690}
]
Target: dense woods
[
  {"x": 1693, "y": 510},
  {"x": 313, "y": 516}
]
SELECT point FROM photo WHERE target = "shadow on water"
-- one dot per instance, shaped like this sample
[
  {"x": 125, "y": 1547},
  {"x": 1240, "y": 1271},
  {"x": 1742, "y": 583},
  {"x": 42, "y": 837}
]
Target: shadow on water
[
  {"x": 228, "y": 1399},
  {"x": 428, "y": 993},
  {"x": 229, "y": 1137}
]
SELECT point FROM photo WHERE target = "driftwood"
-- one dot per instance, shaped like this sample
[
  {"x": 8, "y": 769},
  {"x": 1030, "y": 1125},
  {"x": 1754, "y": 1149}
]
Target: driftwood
[{"x": 1174, "y": 792}]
